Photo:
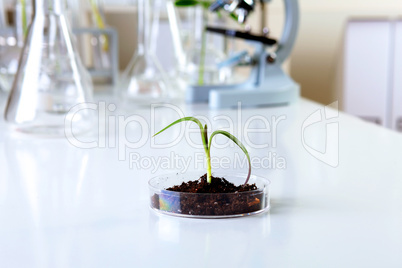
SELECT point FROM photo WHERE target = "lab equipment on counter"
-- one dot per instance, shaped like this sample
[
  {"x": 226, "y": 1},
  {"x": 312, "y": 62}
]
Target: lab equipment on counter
[
  {"x": 50, "y": 79},
  {"x": 3, "y": 16},
  {"x": 9, "y": 54},
  {"x": 144, "y": 81},
  {"x": 197, "y": 51},
  {"x": 12, "y": 40},
  {"x": 267, "y": 83},
  {"x": 103, "y": 66},
  {"x": 97, "y": 43}
]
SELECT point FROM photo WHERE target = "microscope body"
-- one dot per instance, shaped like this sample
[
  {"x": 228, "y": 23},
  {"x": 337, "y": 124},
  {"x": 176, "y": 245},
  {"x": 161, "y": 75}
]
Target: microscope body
[{"x": 267, "y": 83}]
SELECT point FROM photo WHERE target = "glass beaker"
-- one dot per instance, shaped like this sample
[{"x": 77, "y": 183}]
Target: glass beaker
[
  {"x": 50, "y": 79},
  {"x": 144, "y": 81}
]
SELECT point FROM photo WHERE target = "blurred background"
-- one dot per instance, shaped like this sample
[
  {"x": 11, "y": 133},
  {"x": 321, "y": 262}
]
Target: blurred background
[
  {"x": 346, "y": 50},
  {"x": 318, "y": 60}
]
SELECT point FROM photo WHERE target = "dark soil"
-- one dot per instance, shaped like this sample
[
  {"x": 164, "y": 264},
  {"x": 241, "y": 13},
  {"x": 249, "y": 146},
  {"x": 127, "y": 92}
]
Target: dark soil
[{"x": 233, "y": 200}]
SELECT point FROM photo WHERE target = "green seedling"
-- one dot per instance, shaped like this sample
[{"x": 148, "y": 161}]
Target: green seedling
[{"x": 208, "y": 142}]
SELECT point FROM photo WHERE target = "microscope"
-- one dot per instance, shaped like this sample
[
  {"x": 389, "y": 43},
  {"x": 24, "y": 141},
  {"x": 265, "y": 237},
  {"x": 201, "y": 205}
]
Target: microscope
[{"x": 267, "y": 84}]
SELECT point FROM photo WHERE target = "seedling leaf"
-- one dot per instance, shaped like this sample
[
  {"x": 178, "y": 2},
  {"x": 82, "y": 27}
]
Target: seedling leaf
[
  {"x": 189, "y": 118},
  {"x": 238, "y": 143},
  {"x": 208, "y": 142},
  {"x": 206, "y": 135}
]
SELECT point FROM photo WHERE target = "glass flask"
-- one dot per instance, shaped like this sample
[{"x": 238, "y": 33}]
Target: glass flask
[
  {"x": 144, "y": 81},
  {"x": 50, "y": 79},
  {"x": 23, "y": 16},
  {"x": 198, "y": 52},
  {"x": 9, "y": 55},
  {"x": 77, "y": 14},
  {"x": 3, "y": 17},
  {"x": 11, "y": 42}
]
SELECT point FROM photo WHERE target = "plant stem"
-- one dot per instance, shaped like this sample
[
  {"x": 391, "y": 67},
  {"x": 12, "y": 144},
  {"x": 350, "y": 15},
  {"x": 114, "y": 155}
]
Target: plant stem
[
  {"x": 24, "y": 17},
  {"x": 208, "y": 143},
  {"x": 209, "y": 172},
  {"x": 203, "y": 48}
]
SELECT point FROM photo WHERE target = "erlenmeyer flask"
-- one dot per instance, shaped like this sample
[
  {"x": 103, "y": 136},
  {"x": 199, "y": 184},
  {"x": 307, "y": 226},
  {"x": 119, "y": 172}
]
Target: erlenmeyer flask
[
  {"x": 50, "y": 79},
  {"x": 3, "y": 15},
  {"x": 12, "y": 41},
  {"x": 144, "y": 81}
]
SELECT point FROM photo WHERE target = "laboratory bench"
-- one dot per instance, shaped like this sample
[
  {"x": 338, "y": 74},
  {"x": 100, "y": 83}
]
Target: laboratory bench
[{"x": 335, "y": 192}]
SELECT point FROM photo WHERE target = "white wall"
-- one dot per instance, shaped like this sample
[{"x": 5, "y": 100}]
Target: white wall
[{"x": 316, "y": 61}]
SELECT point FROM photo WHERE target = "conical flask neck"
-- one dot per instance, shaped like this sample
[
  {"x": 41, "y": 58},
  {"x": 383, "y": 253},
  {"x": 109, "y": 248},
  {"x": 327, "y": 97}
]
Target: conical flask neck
[
  {"x": 42, "y": 7},
  {"x": 143, "y": 26}
]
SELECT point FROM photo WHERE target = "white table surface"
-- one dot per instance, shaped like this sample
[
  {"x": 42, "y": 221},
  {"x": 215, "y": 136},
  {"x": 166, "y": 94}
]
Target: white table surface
[{"x": 62, "y": 206}]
